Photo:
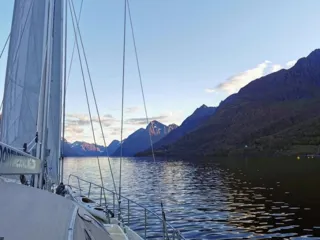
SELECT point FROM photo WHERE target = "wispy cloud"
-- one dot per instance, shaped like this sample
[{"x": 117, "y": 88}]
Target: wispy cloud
[
  {"x": 209, "y": 90},
  {"x": 291, "y": 63},
  {"x": 74, "y": 129},
  {"x": 84, "y": 119},
  {"x": 78, "y": 126},
  {"x": 143, "y": 120},
  {"x": 75, "y": 132},
  {"x": 234, "y": 83},
  {"x": 168, "y": 117},
  {"x": 276, "y": 68},
  {"x": 132, "y": 109},
  {"x": 116, "y": 131}
]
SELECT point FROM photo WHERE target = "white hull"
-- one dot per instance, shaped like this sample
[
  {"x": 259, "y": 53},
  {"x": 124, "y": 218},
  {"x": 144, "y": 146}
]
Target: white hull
[
  {"x": 117, "y": 230},
  {"x": 92, "y": 207},
  {"x": 88, "y": 204}
]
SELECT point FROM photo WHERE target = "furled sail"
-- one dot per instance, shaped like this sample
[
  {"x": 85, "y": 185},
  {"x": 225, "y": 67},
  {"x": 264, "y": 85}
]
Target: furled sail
[
  {"x": 23, "y": 73},
  {"x": 54, "y": 118},
  {"x": 36, "y": 38}
]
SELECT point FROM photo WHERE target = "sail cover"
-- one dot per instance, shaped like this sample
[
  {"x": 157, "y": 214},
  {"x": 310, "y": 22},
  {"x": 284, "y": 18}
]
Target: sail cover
[{"x": 23, "y": 74}]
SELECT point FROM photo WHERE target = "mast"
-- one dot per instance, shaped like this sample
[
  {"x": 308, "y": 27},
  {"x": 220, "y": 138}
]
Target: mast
[
  {"x": 55, "y": 102},
  {"x": 51, "y": 154},
  {"x": 64, "y": 90},
  {"x": 45, "y": 94}
]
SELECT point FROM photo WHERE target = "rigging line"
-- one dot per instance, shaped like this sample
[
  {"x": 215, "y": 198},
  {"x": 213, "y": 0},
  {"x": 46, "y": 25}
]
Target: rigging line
[
  {"x": 86, "y": 92},
  {"x": 122, "y": 101},
  {"x": 74, "y": 45},
  {"x": 140, "y": 77},
  {"x": 5, "y": 45},
  {"x": 96, "y": 105},
  {"x": 66, "y": 80},
  {"x": 64, "y": 89},
  {"x": 142, "y": 93},
  {"x": 2, "y": 51},
  {"x": 31, "y": 141}
]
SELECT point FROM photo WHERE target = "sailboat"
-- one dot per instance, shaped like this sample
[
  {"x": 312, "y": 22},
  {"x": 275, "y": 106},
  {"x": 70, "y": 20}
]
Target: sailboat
[{"x": 32, "y": 121}]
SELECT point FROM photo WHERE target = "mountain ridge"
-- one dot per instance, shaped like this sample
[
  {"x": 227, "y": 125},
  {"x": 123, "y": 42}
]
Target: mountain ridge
[
  {"x": 275, "y": 115},
  {"x": 140, "y": 140},
  {"x": 84, "y": 149},
  {"x": 262, "y": 108},
  {"x": 199, "y": 116}
]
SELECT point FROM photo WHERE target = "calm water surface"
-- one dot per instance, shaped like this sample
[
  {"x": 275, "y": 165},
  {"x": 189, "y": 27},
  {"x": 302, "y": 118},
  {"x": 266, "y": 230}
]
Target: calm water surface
[{"x": 219, "y": 198}]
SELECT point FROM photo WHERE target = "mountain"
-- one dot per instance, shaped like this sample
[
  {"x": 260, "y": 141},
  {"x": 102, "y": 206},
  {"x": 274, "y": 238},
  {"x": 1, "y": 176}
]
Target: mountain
[
  {"x": 83, "y": 149},
  {"x": 113, "y": 146},
  {"x": 67, "y": 149},
  {"x": 199, "y": 116},
  {"x": 275, "y": 114},
  {"x": 140, "y": 140}
]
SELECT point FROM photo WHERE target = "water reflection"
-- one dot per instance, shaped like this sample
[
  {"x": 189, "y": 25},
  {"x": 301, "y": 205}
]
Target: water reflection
[{"x": 220, "y": 198}]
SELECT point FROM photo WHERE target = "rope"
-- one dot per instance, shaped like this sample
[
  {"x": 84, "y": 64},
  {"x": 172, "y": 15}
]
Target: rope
[
  {"x": 66, "y": 80},
  {"x": 31, "y": 141},
  {"x": 88, "y": 99},
  {"x": 2, "y": 51},
  {"x": 122, "y": 101},
  {"x": 74, "y": 45},
  {"x": 35, "y": 144},
  {"x": 143, "y": 97},
  {"x": 95, "y": 101},
  {"x": 5, "y": 45}
]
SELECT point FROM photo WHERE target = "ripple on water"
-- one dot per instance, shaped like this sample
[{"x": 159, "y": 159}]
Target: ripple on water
[{"x": 205, "y": 201}]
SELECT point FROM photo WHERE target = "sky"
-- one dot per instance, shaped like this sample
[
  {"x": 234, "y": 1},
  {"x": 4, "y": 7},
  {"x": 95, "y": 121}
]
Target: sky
[{"x": 190, "y": 52}]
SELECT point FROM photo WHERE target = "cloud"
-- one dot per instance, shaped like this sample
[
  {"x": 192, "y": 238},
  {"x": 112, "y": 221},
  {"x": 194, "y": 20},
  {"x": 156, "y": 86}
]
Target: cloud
[
  {"x": 132, "y": 109},
  {"x": 74, "y": 133},
  {"x": 78, "y": 126},
  {"x": 209, "y": 90},
  {"x": 73, "y": 129},
  {"x": 84, "y": 119},
  {"x": 291, "y": 63},
  {"x": 276, "y": 68},
  {"x": 234, "y": 83},
  {"x": 116, "y": 131},
  {"x": 143, "y": 120},
  {"x": 167, "y": 117}
]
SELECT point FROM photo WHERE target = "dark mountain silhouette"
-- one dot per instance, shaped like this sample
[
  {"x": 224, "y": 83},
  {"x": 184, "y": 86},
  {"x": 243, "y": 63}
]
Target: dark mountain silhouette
[
  {"x": 275, "y": 114},
  {"x": 140, "y": 140},
  {"x": 198, "y": 117},
  {"x": 113, "y": 146}
]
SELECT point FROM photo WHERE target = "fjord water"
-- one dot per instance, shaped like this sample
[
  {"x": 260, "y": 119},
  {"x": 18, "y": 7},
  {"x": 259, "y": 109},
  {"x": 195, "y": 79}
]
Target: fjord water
[{"x": 219, "y": 198}]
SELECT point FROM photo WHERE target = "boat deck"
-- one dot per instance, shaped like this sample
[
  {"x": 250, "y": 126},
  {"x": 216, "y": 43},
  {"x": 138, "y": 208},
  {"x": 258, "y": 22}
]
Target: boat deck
[
  {"x": 115, "y": 232},
  {"x": 30, "y": 213}
]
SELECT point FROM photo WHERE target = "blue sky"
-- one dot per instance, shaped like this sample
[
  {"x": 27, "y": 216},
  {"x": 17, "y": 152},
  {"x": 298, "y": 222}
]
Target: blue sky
[{"x": 191, "y": 53}]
